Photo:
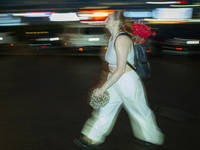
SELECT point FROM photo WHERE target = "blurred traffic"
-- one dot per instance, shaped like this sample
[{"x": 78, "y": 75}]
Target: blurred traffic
[{"x": 82, "y": 31}]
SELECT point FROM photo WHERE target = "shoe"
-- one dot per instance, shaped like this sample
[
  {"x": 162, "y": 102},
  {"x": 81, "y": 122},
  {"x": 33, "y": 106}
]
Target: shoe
[
  {"x": 85, "y": 145},
  {"x": 147, "y": 144}
]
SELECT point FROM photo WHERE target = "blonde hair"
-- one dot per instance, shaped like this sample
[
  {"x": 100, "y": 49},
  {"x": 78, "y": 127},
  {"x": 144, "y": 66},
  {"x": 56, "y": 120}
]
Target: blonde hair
[{"x": 125, "y": 24}]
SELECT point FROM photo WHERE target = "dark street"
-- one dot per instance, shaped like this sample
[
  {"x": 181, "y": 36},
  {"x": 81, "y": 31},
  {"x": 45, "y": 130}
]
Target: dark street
[{"x": 43, "y": 102}]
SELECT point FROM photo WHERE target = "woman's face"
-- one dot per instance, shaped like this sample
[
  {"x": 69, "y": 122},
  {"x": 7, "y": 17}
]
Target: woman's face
[{"x": 109, "y": 21}]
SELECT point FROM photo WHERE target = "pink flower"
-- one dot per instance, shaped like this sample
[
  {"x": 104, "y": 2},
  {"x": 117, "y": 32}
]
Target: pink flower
[{"x": 153, "y": 33}]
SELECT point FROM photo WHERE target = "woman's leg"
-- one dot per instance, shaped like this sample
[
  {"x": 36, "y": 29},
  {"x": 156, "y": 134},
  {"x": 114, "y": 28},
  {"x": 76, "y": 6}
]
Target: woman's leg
[
  {"x": 144, "y": 126},
  {"x": 142, "y": 118},
  {"x": 99, "y": 125}
]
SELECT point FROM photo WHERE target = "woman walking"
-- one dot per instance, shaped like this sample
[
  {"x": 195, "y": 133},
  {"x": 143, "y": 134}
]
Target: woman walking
[{"x": 125, "y": 88}]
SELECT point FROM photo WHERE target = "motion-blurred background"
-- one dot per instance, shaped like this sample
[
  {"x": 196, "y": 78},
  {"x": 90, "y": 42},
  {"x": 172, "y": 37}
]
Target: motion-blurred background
[
  {"x": 45, "y": 85},
  {"x": 77, "y": 27}
]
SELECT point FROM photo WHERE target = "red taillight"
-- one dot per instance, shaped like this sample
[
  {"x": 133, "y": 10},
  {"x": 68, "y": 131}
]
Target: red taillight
[
  {"x": 11, "y": 44},
  {"x": 179, "y": 49},
  {"x": 43, "y": 46},
  {"x": 173, "y": 2},
  {"x": 81, "y": 49},
  {"x": 148, "y": 51}
]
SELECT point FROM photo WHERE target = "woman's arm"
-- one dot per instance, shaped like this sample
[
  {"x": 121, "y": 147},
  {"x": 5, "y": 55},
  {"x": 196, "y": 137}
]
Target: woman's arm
[{"x": 122, "y": 46}]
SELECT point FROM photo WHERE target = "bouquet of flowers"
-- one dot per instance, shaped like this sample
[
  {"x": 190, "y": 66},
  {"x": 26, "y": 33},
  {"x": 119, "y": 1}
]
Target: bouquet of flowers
[
  {"x": 141, "y": 32},
  {"x": 97, "y": 102}
]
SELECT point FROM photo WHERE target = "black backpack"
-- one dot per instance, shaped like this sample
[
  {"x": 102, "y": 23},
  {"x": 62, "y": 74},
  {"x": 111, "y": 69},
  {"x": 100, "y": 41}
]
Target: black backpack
[{"x": 141, "y": 63}]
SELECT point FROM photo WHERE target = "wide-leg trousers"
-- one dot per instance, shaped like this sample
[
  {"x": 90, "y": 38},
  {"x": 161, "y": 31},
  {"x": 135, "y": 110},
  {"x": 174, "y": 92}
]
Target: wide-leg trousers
[{"x": 128, "y": 92}]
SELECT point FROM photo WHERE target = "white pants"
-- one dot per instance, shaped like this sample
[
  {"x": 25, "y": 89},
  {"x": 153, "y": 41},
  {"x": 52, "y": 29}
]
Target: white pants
[{"x": 129, "y": 92}]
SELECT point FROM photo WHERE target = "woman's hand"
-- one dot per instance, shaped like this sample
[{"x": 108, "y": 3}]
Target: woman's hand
[{"x": 99, "y": 92}]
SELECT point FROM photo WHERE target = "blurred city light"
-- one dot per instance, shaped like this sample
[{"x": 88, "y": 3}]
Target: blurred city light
[
  {"x": 80, "y": 49},
  {"x": 122, "y": 3},
  {"x": 93, "y": 16},
  {"x": 192, "y": 42},
  {"x": 60, "y": 26},
  {"x": 9, "y": 20},
  {"x": 13, "y": 24},
  {"x": 184, "y": 5},
  {"x": 172, "y": 13},
  {"x": 168, "y": 2},
  {"x": 94, "y": 22},
  {"x": 41, "y": 32},
  {"x": 138, "y": 14},
  {"x": 93, "y": 39},
  {"x": 64, "y": 17},
  {"x": 54, "y": 39},
  {"x": 33, "y": 14},
  {"x": 103, "y": 7}
]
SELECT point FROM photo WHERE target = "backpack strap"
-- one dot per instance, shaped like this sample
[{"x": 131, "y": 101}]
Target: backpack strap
[{"x": 131, "y": 66}]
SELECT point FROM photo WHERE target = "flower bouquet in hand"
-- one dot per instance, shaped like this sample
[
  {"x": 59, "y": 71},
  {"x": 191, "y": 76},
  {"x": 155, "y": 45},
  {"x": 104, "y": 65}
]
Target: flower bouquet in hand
[
  {"x": 141, "y": 32},
  {"x": 97, "y": 102}
]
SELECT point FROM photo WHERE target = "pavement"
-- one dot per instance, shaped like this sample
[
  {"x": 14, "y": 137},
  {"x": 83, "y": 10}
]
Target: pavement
[{"x": 43, "y": 102}]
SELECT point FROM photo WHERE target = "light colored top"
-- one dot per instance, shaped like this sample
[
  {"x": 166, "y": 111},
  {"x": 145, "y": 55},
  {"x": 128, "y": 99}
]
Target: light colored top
[{"x": 111, "y": 56}]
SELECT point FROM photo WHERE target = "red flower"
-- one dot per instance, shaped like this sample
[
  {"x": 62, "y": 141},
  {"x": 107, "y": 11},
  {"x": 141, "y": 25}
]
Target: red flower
[
  {"x": 142, "y": 41},
  {"x": 141, "y": 32},
  {"x": 154, "y": 33},
  {"x": 133, "y": 39},
  {"x": 138, "y": 40}
]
